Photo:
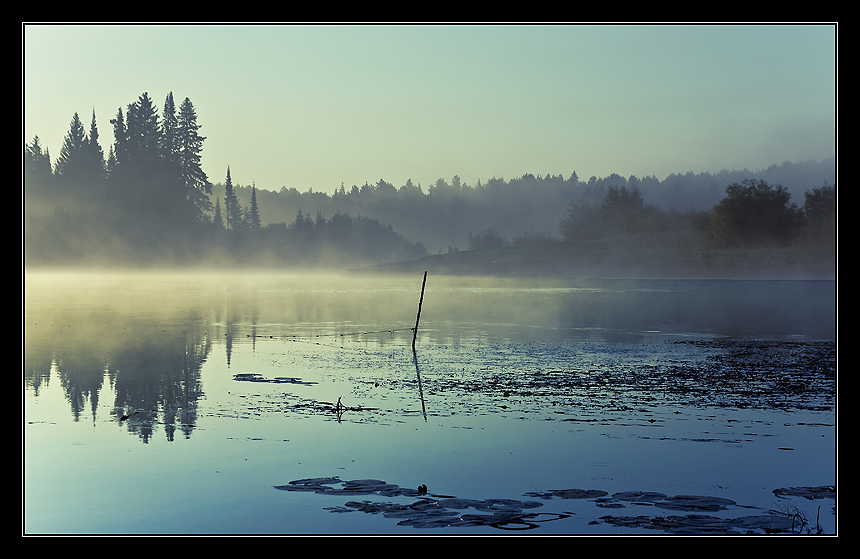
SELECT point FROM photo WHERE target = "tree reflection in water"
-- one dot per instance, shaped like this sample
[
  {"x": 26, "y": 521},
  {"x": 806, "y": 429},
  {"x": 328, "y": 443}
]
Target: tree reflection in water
[{"x": 151, "y": 363}]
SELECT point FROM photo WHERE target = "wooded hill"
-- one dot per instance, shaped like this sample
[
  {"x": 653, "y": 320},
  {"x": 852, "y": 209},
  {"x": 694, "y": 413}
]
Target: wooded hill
[{"x": 148, "y": 202}]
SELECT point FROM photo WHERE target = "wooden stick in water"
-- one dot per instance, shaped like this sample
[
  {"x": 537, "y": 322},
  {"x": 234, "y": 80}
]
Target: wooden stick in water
[{"x": 417, "y": 318}]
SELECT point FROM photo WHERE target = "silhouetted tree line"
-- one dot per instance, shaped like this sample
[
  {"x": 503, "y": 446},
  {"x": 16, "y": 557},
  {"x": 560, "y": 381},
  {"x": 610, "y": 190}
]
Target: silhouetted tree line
[
  {"x": 752, "y": 213},
  {"x": 149, "y": 194},
  {"x": 450, "y": 215},
  {"x": 149, "y": 200}
]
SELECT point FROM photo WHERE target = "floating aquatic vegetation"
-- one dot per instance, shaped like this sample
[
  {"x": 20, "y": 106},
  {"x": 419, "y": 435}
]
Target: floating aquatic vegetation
[
  {"x": 678, "y": 502},
  {"x": 431, "y": 510},
  {"x": 811, "y": 493},
  {"x": 773, "y": 522},
  {"x": 594, "y": 386},
  {"x": 257, "y": 377},
  {"x": 705, "y": 524},
  {"x": 640, "y": 496},
  {"x": 570, "y": 494},
  {"x": 694, "y": 502}
]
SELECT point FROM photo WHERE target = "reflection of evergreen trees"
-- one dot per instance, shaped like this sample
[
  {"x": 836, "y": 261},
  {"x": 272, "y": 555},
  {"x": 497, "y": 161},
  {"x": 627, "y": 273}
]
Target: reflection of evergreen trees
[
  {"x": 81, "y": 377},
  {"x": 160, "y": 379},
  {"x": 153, "y": 370}
]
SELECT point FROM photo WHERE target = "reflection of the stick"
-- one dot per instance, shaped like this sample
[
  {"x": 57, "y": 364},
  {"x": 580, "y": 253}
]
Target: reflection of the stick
[
  {"x": 339, "y": 409},
  {"x": 420, "y": 389}
]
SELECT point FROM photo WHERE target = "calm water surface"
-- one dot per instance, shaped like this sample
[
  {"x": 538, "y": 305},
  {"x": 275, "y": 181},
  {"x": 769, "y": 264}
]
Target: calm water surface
[{"x": 230, "y": 384}]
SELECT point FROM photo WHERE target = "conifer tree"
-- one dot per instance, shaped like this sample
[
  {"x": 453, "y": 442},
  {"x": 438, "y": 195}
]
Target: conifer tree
[
  {"x": 119, "y": 150},
  {"x": 71, "y": 163},
  {"x": 169, "y": 131},
  {"x": 217, "y": 220},
  {"x": 253, "y": 214},
  {"x": 232, "y": 210},
  {"x": 37, "y": 165},
  {"x": 143, "y": 133},
  {"x": 195, "y": 184},
  {"x": 95, "y": 157}
]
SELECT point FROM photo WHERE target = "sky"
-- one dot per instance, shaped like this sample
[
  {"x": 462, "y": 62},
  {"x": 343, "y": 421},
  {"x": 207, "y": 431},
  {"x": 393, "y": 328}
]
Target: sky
[{"x": 317, "y": 106}]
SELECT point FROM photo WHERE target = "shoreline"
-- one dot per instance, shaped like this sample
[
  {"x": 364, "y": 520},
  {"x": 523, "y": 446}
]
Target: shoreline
[{"x": 597, "y": 262}]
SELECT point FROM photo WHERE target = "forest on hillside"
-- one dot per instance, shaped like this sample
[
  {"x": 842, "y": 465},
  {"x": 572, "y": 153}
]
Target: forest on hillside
[
  {"x": 146, "y": 201},
  {"x": 446, "y": 214}
]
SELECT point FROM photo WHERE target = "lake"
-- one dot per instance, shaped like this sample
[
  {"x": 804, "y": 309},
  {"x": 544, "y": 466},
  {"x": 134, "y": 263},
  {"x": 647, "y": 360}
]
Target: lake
[{"x": 267, "y": 403}]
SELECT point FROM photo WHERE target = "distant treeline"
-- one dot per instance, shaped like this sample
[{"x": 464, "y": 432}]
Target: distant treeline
[
  {"x": 448, "y": 214},
  {"x": 148, "y": 201}
]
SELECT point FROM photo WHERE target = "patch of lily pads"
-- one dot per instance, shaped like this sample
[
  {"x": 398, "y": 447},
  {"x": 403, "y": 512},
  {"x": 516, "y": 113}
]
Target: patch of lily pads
[
  {"x": 257, "y": 377},
  {"x": 431, "y": 510}
]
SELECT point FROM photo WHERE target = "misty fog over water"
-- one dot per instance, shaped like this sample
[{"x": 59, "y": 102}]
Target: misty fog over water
[
  {"x": 206, "y": 391},
  {"x": 225, "y": 328}
]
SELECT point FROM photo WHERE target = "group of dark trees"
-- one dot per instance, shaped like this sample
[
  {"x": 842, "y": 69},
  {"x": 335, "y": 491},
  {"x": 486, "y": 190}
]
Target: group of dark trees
[
  {"x": 752, "y": 213},
  {"x": 149, "y": 190},
  {"x": 149, "y": 200},
  {"x": 524, "y": 211}
]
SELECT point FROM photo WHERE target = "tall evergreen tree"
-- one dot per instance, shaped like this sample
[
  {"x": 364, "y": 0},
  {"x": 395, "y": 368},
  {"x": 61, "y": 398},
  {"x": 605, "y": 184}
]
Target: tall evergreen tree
[
  {"x": 169, "y": 131},
  {"x": 196, "y": 186},
  {"x": 232, "y": 210},
  {"x": 217, "y": 220},
  {"x": 71, "y": 163},
  {"x": 95, "y": 157},
  {"x": 120, "y": 146},
  {"x": 37, "y": 165},
  {"x": 143, "y": 132},
  {"x": 254, "y": 213}
]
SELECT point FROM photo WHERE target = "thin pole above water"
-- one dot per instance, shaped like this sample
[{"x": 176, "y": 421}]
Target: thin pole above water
[{"x": 418, "y": 318}]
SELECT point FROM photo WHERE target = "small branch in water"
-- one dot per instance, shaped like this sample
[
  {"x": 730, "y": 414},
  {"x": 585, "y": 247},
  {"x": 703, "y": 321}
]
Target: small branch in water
[{"x": 124, "y": 417}]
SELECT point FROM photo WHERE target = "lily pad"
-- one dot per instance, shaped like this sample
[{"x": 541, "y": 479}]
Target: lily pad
[
  {"x": 578, "y": 493},
  {"x": 820, "y": 492},
  {"x": 705, "y": 524},
  {"x": 694, "y": 503}
]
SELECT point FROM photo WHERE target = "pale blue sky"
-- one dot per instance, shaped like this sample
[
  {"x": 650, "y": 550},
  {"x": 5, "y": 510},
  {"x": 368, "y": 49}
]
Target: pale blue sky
[{"x": 316, "y": 106}]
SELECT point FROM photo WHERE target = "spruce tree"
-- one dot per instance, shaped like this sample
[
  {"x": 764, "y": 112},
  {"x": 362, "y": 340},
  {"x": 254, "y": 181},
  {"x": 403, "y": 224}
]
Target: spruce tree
[
  {"x": 71, "y": 163},
  {"x": 37, "y": 166},
  {"x": 169, "y": 131},
  {"x": 196, "y": 186},
  {"x": 232, "y": 210},
  {"x": 143, "y": 133},
  {"x": 120, "y": 146},
  {"x": 95, "y": 157},
  {"x": 217, "y": 220},
  {"x": 253, "y": 212}
]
